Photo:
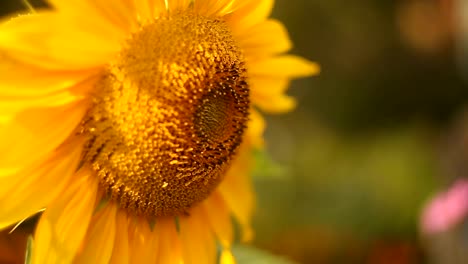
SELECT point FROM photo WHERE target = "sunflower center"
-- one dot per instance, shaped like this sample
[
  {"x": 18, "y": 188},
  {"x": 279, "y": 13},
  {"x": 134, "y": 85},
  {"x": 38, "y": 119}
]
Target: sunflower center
[{"x": 168, "y": 115}]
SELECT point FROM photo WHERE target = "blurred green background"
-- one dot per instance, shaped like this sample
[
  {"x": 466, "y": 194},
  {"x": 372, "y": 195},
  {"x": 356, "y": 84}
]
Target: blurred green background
[
  {"x": 345, "y": 176},
  {"x": 374, "y": 136}
]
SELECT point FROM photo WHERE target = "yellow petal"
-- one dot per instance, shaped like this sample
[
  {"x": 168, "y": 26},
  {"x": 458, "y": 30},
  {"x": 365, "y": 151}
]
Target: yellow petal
[
  {"x": 52, "y": 40},
  {"x": 63, "y": 225},
  {"x": 265, "y": 39},
  {"x": 25, "y": 193},
  {"x": 237, "y": 191},
  {"x": 36, "y": 132},
  {"x": 99, "y": 241},
  {"x": 282, "y": 66},
  {"x": 267, "y": 86},
  {"x": 227, "y": 257},
  {"x": 198, "y": 242},
  {"x": 270, "y": 78},
  {"x": 177, "y": 5},
  {"x": 268, "y": 94},
  {"x": 249, "y": 15},
  {"x": 149, "y": 9},
  {"x": 255, "y": 129},
  {"x": 4, "y": 119},
  {"x": 119, "y": 14},
  {"x": 219, "y": 218},
  {"x": 19, "y": 79},
  {"x": 214, "y": 7},
  {"x": 169, "y": 243},
  {"x": 143, "y": 243},
  {"x": 120, "y": 253},
  {"x": 278, "y": 104},
  {"x": 11, "y": 105}
]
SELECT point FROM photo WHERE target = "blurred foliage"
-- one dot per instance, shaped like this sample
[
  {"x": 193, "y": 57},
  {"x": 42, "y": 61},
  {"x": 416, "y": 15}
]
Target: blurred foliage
[
  {"x": 346, "y": 192},
  {"x": 250, "y": 255},
  {"x": 371, "y": 76}
]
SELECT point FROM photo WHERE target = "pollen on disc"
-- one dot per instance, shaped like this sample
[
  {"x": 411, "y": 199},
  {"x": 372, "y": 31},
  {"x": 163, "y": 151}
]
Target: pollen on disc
[{"x": 168, "y": 115}]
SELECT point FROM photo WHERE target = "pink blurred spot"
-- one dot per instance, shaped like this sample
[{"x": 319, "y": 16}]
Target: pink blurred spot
[{"x": 446, "y": 209}]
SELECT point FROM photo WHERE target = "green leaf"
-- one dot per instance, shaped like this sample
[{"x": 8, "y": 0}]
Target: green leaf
[
  {"x": 266, "y": 167},
  {"x": 29, "y": 247},
  {"x": 251, "y": 255}
]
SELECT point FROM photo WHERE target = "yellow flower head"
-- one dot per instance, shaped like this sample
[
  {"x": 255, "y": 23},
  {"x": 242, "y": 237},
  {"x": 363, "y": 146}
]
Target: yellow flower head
[{"x": 131, "y": 125}]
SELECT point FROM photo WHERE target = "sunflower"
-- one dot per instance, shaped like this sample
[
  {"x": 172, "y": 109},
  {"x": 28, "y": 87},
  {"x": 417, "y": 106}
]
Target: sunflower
[{"x": 131, "y": 125}]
